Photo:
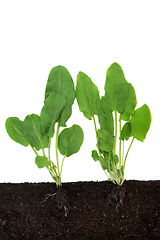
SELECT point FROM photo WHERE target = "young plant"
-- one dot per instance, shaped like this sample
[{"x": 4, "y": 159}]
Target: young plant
[
  {"x": 37, "y": 131},
  {"x": 115, "y": 110}
]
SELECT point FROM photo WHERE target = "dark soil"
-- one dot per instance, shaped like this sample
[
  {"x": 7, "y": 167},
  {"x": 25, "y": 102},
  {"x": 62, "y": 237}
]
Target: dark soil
[{"x": 82, "y": 210}]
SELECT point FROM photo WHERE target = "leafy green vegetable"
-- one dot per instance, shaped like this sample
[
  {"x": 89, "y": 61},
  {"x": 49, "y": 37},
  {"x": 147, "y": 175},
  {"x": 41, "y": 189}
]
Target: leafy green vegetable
[
  {"x": 70, "y": 140},
  {"x": 140, "y": 122},
  {"x": 51, "y": 111},
  {"x": 32, "y": 132},
  {"x": 118, "y": 105},
  {"x": 37, "y": 131},
  {"x": 42, "y": 161},
  {"x": 14, "y": 128},
  {"x": 87, "y": 96},
  {"x": 60, "y": 81}
]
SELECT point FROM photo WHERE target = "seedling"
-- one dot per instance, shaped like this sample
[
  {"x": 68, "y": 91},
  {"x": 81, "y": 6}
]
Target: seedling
[
  {"x": 117, "y": 105},
  {"x": 38, "y": 131}
]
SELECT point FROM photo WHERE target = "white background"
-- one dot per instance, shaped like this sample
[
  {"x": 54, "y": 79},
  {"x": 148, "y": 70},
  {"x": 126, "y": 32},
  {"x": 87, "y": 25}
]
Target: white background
[{"x": 87, "y": 36}]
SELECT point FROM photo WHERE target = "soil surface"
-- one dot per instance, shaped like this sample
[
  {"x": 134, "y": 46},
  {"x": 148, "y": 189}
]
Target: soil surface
[{"x": 81, "y": 210}]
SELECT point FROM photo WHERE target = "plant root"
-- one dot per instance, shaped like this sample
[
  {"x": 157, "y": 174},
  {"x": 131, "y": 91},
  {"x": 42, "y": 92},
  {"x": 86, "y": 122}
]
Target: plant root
[
  {"x": 49, "y": 195},
  {"x": 116, "y": 195},
  {"x": 61, "y": 199}
]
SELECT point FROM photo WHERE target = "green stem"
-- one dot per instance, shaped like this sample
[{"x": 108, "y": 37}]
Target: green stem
[
  {"x": 128, "y": 152},
  {"x": 57, "y": 133},
  {"x": 120, "y": 162},
  {"x": 49, "y": 150},
  {"x": 96, "y": 134},
  {"x": 115, "y": 141},
  {"x": 34, "y": 151},
  {"x": 62, "y": 166}
]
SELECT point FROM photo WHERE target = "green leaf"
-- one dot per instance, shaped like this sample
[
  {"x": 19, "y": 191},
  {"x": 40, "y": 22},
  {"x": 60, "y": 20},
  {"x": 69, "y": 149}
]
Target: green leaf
[
  {"x": 106, "y": 118},
  {"x": 42, "y": 161},
  {"x": 106, "y": 140},
  {"x": 115, "y": 87},
  {"x": 126, "y": 131},
  {"x": 130, "y": 103},
  {"x": 95, "y": 155},
  {"x": 32, "y": 132},
  {"x": 60, "y": 81},
  {"x": 70, "y": 140},
  {"x": 87, "y": 95},
  {"x": 14, "y": 128},
  {"x": 51, "y": 111},
  {"x": 140, "y": 122}
]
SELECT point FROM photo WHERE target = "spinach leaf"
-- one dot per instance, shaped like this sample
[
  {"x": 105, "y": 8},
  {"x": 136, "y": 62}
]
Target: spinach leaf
[
  {"x": 70, "y": 140},
  {"x": 105, "y": 117},
  {"x": 126, "y": 131},
  {"x": 42, "y": 161},
  {"x": 32, "y": 132},
  {"x": 87, "y": 95},
  {"x": 14, "y": 128},
  {"x": 51, "y": 111},
  {"x": 61, "y": 82},
  {"x": 140, "y": 122}
]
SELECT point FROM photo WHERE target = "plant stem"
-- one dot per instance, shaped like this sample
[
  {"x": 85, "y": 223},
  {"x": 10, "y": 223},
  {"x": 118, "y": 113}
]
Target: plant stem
[
  {"x": 49, "y": 150},
  {"x": 96, "y": 134},
  {"x": 57, "y": 133},
  {"x": 34, "y": 151},
  {"x": 120, "y": 143},
  {"x": 62, "y": 166},
  {"x": 128, "y": 152},
  {"x": 115, "y": 140}
]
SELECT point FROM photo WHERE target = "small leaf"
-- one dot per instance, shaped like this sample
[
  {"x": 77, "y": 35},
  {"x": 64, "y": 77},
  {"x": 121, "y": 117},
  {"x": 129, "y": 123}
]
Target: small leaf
[
  {"x": 87, "y": 95},
  {"x": 32, "y": 132},
  {"x": 14, "y": 128},
  {"x": 106, "y": 140},
  {"x": 115, "y": 159},
  {"x": 51, "y": 111},
  {"x": 126, "y": 131},
  {"x": 140, "y": 122},
  {"x": 95, "y": 155},
  {"x": 70, "y": 140},
  {"x": 42, "y": 161}
]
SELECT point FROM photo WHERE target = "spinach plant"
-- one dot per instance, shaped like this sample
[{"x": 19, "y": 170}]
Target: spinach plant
[
  {"x": 118, "y": 119},
  {"x": 37, "y": 131}
]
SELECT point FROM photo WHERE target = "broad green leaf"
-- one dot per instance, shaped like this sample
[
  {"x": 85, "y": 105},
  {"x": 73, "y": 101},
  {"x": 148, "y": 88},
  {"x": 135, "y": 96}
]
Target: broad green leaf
[
  {"x": 14, "y": 128},
  {"x": 106, "y": 140},
  {"x": 70, "y": 140},
  {"x": 115, "y": 87},
  {"x": 126, "y": 131},
  {"x": 60, "y": 81},
  {"x": 130, "y": 103},
  {"x": 51, "y": 111},
  {"x": 140, "y": 122},
  {"x": 42, "y": 161},
  {"x": 32, "y": 132},
  {"x": 106, "y": 118},
  {"x": 87, "y": 95}
]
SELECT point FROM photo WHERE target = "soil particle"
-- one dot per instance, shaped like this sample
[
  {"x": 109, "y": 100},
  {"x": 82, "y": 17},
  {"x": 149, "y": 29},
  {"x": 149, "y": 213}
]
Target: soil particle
[{"x": 91, "y": 213}]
